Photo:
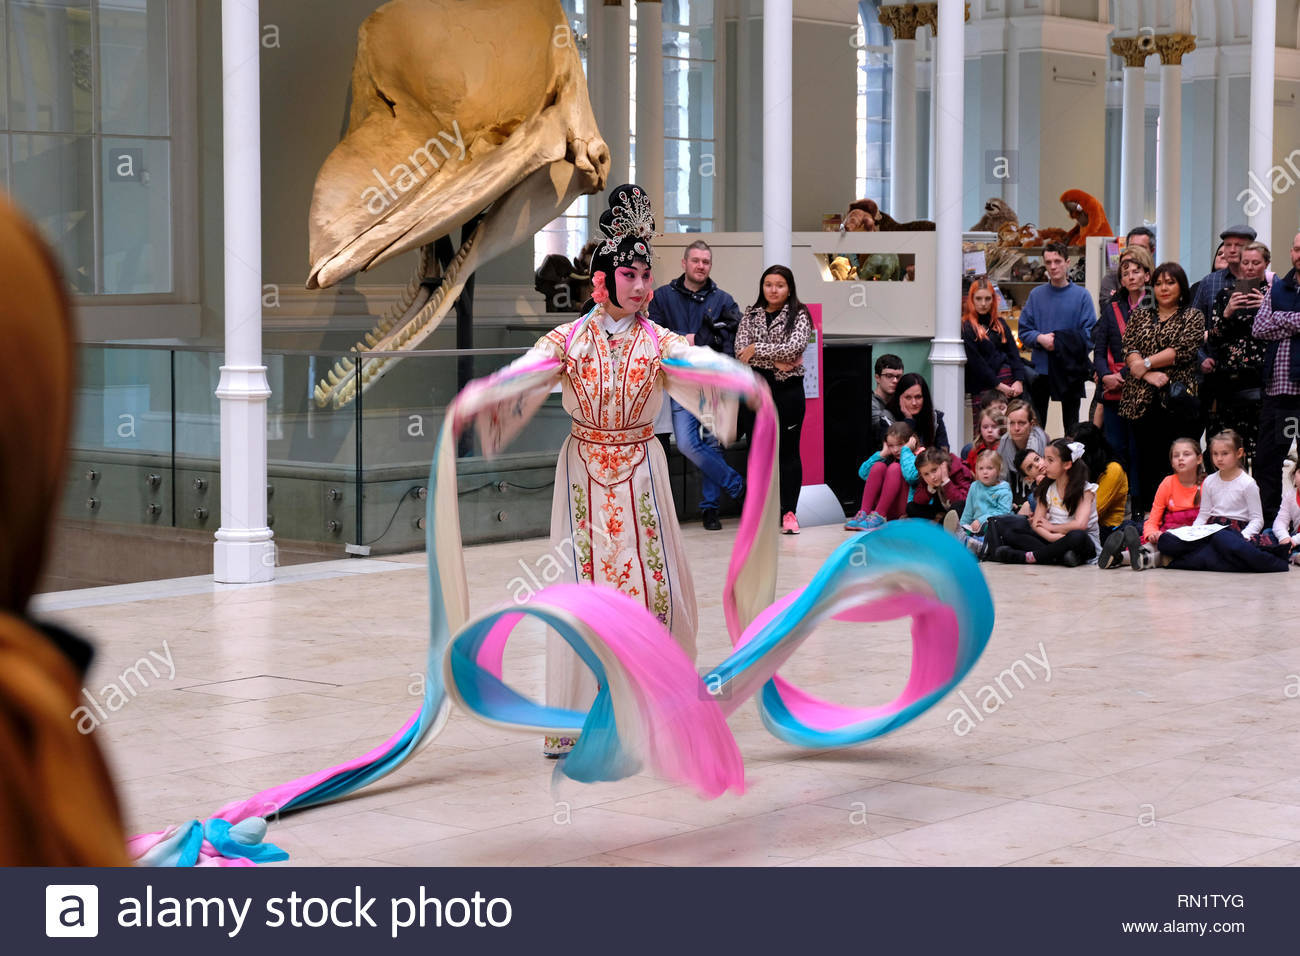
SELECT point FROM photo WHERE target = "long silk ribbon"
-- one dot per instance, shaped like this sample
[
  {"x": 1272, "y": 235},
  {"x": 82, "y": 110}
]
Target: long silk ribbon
[{"x": 652, "y": 709}]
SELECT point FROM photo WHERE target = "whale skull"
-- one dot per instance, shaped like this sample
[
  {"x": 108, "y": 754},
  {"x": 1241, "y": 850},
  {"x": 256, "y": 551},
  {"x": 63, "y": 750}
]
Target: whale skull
[{"x": 459, "y": 108}]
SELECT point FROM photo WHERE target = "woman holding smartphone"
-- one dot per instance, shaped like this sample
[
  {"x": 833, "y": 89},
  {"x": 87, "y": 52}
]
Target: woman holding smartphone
[{"x": 1235, "y": 357}]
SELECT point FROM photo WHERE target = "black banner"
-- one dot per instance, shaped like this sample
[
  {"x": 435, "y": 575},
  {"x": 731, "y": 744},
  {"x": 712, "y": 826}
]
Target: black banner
[{"x": 653, "y": 910}]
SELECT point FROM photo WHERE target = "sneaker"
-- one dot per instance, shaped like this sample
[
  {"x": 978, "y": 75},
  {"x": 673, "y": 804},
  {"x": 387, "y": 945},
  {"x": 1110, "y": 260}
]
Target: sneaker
[
  {"x": 873, "y": 521},
  {"x": 1146, "y": 557},
  {"x": 1295, "y": 558},
  {"x": 711, "y": 522},
  {"x": 950, "y": 522},
  {"x": 856, "y": 523},
  {"x": 1071, "y": 560},
  {"x": 789, "y": 523},
  {"x": 976, "y": 547},
  {"x": 1009, "y": 555}
]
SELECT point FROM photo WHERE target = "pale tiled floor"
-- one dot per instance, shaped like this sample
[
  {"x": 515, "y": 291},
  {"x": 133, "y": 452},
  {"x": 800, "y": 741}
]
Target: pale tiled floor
[{"x": 1167, "y": 734}]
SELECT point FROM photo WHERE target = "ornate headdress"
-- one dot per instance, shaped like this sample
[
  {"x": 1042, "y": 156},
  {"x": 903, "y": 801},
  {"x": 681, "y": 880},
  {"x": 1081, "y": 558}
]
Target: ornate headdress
[{"x": 628, "y": 226}]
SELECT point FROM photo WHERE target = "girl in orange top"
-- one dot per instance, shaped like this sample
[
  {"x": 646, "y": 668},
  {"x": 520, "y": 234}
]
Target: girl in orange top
[{"x": 1178, "y": 499}]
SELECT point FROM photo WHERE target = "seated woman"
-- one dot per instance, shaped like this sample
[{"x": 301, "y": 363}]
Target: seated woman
[
  {"x": 912, "y": 403},
  {"x": 1064, "y": 528},
  {"x": 1023, "y": 432}
]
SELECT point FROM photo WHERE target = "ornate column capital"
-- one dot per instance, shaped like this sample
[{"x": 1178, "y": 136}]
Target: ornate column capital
[
  {"x": 902, "y": 18},
  {"x": 1132, "y": 49},
  {"x": 927, "y": 14},
  {"x": 1173, "y": 46}
]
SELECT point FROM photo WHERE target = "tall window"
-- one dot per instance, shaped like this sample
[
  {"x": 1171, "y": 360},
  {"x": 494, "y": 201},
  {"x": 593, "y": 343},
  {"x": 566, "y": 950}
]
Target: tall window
[
  {"x": 85, "y": 136},
  {"x": 875, "y": 87},
  {"x": 689, "y": 143},
  {"x": 566, "y": 234}
]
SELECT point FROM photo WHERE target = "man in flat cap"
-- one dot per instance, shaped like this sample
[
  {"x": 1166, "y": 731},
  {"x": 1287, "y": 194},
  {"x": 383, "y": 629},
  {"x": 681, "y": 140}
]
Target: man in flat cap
[{"x": 1235, "y": 239}]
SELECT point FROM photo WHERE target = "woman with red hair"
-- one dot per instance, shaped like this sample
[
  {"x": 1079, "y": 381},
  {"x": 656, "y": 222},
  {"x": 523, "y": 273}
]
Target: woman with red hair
[{"x": 992, "y": 356}]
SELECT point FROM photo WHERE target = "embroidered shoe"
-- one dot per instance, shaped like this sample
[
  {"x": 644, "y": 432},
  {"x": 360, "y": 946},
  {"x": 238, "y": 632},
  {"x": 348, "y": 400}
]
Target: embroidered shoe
[
  {"x": 553, "y": 747},
  {"x": 789, "y": 523}
]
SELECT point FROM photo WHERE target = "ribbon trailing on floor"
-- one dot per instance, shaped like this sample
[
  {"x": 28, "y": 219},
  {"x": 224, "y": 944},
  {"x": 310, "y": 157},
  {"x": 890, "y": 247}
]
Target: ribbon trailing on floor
[{"x": 652, "y": 709}]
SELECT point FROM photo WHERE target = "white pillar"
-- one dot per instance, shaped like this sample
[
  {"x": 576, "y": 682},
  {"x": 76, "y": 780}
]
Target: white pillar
[
  {"x": 617, "y": 84},
  {"x": 902, "y": 145},
  {"x": 932, "y": 160},
  {"x": 245, "y": 551},
  {"x": 1169, "y": 159},
  {"x": 1132, "y": 183},
  {"x": 1263, "y": 43},
  {"x": 778, "y": 130},
  {"x": 650, "y": 104},
  {"x": 947, "y": 354}
]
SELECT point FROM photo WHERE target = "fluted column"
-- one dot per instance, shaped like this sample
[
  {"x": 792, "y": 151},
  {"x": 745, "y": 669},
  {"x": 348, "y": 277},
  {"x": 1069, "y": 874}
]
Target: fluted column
[
  {"x": 244, "y": 552},
  {"x": 903, "y": 21},
  {"x": 1132, "y": 182},
  {"x": 650, "y": 103},
  {"x": 1263, "y": 41},
  {"x": 1171, "y": 47}
]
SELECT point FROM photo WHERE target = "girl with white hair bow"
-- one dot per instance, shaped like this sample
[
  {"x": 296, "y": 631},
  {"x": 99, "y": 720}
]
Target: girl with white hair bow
[{"x": 1064, "y": 528}]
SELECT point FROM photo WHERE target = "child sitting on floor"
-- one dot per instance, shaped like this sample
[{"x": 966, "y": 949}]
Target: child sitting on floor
[
  {"x": 1286, "y": 528},
  {"x": 1064, "y": 528},
  {"x": 988, "y": 497},
  {"x": 1225, "y": 535},
  {"x": 885, "y": 496},
  {"x": 942, "y": 486},
  {"x": 989, "y": 430},
  {"x": 1028, "y": 473},
  {"x": 1177, "y": 503}
]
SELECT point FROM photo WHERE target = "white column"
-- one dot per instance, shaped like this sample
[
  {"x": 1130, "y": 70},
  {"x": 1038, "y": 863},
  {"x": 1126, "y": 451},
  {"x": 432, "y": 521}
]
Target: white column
[
  {"x": 1169, "y": 159},
  {"x": 245, "y": 551},
  {"x": 947, "y": 354},
  {"x": 778, "y": 130},
  {"x": 650, "y": 103},
  {"x": 1132, "y": 183},
  {"x": 1263, "y": 43},
  {"x": 902, "y": 144},
  {"x": 617, "y": 84},
  {"x": 933, "y": 164}
]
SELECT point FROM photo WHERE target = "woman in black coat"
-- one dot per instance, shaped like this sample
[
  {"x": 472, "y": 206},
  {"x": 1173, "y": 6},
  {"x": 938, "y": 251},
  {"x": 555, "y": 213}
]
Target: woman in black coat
[{"x": 992, "y": 356}]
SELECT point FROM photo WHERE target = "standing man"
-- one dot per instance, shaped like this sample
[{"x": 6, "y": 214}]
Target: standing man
[
  {"x": 889, "y": 369},
  {"x": 1278, "y": 324},
  {"x": 1137, "y": 236},
  {"x": 1056, "y": 324},
  {"x": 694, "y": 306},
  {"x": 1235, "y": 239}
]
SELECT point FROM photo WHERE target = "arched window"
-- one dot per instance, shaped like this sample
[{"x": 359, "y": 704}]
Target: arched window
[{"x": 875, "y": 88}]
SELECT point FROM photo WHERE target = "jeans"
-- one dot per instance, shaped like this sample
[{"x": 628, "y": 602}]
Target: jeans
[{"x": 704, "y": 451}]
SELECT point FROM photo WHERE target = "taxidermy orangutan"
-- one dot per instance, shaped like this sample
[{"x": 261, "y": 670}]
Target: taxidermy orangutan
[
  {"x": 865, "y": 216},
  {"x": 1088, "y": 215},
  {"x": 996, "y": 215}
]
